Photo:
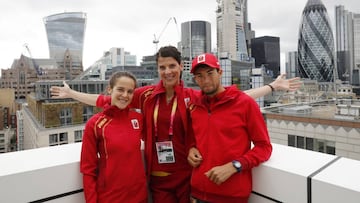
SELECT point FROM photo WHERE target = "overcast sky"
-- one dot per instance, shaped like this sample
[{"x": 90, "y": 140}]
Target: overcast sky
[{"x": 132, "y": 24}]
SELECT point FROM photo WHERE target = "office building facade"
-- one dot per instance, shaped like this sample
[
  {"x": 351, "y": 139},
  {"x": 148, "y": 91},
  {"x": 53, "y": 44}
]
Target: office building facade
[
  {"x": 323, "y": 126},
  {"x": 231, "y": 22},
  {"x": 195, "y": 38},
  {"x": 344, "y": 43},
  {"x": 291, "y": 64},
  {"x": 22, "y": 75},
  {"x": 44, "y": 122},
  {"x": 115, "y": 56},
  {"x": 235, "y": 72},
  {"x": 348, "y": 45},
  {"x": 65, "y": 33},
  {"x": 266, "y": 51},
  {"x": 356, "y": 70},
  {"x": 316, "y": 43}
]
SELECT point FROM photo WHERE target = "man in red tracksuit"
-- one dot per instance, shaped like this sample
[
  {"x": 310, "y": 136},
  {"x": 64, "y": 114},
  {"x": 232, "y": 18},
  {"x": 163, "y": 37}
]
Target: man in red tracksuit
[{"x": 225, "y": 123}]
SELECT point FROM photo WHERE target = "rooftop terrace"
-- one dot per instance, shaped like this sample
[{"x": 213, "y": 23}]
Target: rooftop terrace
[{"x": 51, "y": 174}]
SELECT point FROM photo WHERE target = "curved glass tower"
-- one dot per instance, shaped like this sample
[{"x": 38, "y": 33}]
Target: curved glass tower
[
  {"x": 65, "y": 33},
  {"x": 316, "y": 43}
]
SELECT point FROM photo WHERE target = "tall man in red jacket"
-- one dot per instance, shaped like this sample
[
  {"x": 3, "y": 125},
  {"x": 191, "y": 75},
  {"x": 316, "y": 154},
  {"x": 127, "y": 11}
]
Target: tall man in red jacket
[{"x": 225, "y": 122}]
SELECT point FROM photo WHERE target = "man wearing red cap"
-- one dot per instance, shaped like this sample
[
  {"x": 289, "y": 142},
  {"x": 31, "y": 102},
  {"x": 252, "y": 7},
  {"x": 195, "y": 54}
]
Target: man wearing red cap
[{"x": 225, "y": 123}]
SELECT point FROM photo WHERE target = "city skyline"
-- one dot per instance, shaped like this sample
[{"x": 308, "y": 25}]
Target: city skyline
[{"x": 109, "y": 25}]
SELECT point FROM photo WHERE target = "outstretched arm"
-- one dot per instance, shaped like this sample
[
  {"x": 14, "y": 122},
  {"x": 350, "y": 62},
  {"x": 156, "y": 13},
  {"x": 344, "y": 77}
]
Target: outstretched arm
[
  {"x": 66, "y": 92},
  {"x": 281, "y": 83}
]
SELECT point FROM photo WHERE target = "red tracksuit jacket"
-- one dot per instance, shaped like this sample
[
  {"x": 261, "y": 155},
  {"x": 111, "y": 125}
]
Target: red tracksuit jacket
[
  {"x": 145, "y": 99},
  {"x": 224, "y": 129},
  {"x": 111, "y": 160}
]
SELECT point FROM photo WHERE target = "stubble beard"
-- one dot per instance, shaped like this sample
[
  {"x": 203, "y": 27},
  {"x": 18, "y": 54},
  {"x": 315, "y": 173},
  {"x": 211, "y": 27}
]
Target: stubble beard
[{"x": 211, "y": 92}]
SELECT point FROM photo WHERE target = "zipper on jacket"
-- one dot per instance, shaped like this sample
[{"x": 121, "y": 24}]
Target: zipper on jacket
[{"x": 205, "y": 198}]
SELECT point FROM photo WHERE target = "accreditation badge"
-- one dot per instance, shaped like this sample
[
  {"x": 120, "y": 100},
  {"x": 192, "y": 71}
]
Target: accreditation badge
[{"x": 165, "y": 152}]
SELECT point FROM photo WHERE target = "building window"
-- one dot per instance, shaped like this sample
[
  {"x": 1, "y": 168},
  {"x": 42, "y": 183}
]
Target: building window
[
  {"x": 66, "y": 116},
  {"x": 13, "y": 121},
  {"x": 330, "y": 150},
  {"x": 312, "y": 144},
  {"x": 300, "y": 142},
  {"x": 291, "y": 141},
  {"x": 309, "y": 143},
  {"x": 92, "y": 88},
  {"x": 88, "y": 111},
  {"x": 320, "y": 146},
  {"x": 53, "y": 139},
  {"x": 58, "y": 139},
  {"x": 78, "y": 135},
  {"x": 63, "y": 138},
  {"x": 22, "y": 78}
]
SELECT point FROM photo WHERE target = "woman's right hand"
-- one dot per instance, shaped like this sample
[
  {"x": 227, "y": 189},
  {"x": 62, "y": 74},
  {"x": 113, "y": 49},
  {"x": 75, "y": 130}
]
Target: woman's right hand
[{"x": 58, "y": 92}]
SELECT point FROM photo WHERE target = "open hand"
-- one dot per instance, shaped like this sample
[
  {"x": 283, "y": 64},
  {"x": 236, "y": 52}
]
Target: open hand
[
  {"x": 281, "y": 83},
  {"x": 58, "y": 92}
]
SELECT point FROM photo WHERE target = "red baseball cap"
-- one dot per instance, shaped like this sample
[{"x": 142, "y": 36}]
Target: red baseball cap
[{"x": 206, "y": 59}]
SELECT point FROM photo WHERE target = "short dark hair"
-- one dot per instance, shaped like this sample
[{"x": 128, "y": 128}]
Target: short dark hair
[
  {"x": 169, "y": 51},
  {"x": 120, "y": 74}
]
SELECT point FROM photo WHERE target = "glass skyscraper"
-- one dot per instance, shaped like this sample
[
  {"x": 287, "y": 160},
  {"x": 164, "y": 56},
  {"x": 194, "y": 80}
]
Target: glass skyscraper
[
  {"x": 356, "y": 71},
  {"x": 266, "y": 51},
  {"x": 291, "y": 64},
  {"x": 65, "y": 33},
  {"x": 344, "y": 43},
  {"x": 195, "y": 38},
  {"x": 316, "y": 43}
]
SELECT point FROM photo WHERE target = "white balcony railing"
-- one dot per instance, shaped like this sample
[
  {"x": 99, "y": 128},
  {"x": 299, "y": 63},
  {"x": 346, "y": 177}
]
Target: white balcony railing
[{"x": 293, "y": 175}]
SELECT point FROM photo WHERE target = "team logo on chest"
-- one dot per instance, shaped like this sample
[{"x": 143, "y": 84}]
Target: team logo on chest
[{"x": 135, "y": 123}]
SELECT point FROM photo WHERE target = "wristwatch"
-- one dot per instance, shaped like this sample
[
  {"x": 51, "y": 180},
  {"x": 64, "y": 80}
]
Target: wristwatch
[{"x": 237, "y": 165}]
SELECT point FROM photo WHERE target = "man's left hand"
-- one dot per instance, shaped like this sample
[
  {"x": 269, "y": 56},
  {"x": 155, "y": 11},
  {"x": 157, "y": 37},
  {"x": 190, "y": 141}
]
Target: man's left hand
[{"x": 220, "y": 174}]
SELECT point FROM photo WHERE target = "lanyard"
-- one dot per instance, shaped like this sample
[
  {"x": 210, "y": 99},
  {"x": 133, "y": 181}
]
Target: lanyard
[{"x": 172, "y": 116}]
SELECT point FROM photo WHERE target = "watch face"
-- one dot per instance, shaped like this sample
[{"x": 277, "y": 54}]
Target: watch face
[{"x": 237, "y": 165}]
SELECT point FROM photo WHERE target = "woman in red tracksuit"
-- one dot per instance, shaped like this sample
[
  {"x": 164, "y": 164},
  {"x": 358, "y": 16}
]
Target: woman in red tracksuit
[
  {"x": 111, "y": 160},
  {"x": 167, "y": 130}
]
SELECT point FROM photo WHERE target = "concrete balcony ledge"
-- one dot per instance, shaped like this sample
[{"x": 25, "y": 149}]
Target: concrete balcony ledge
[
  {"x": 49, "y": 174},
  {"x": 293, "y": 175},
  {"x": 297, "y": 175}
]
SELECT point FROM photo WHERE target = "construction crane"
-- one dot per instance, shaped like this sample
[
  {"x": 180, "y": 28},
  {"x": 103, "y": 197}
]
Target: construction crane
[
  {"x": 156, "y": 39},
  {"x": 38, "y": 71}
]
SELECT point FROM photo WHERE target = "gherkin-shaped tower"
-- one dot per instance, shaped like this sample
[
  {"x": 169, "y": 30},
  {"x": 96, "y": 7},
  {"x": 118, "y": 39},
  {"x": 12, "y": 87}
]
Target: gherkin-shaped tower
[{"x": 316, "y": 43}]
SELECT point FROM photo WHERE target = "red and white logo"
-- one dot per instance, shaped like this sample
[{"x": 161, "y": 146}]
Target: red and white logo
[
  {"x": 135, "y": 123},
  {"x": 201, "y": 58}
]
